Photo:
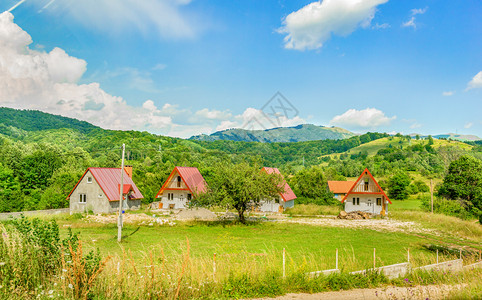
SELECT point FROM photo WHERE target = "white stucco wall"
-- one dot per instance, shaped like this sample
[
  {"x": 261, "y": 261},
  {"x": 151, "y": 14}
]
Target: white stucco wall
[
  {"x": 180, "y": 199},
  {"x": 368, "y": 204},
  {"x": 274, "y": 206}
]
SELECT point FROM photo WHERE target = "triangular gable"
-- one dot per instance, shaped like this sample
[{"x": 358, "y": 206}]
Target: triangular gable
[
  {"x": 191, "y": 177},
  {"x": 358, "y": 181},
  {"x": 127, "y": 188},
  {"x": 288, "y": 193}
]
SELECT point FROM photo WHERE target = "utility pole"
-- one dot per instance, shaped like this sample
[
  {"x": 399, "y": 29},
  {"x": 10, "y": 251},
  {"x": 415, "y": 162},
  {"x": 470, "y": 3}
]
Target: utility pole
[
  {"x": 121, "y": 196},
  {"x": 431, "y": 194}
]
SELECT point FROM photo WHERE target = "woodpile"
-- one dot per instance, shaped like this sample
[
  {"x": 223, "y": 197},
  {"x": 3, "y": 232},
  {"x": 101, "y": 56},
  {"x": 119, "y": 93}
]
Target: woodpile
[{"x": 354, "y": 215}]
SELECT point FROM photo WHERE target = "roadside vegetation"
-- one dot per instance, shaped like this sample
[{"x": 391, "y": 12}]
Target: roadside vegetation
[{"x": 82, "y": 260}]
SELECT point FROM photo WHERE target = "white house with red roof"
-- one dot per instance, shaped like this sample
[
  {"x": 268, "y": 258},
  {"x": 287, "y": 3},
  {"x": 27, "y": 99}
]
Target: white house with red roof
[
  {"x": 285, "y": 200},
  {"x": 183, "y": 184},
  {"x": 366, "y": 195},
  {"x": 98, "y": 190}
]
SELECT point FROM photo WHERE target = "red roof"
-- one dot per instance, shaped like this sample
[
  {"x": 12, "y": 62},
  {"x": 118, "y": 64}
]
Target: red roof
[
  {"x": 359, "y": 178},
  {"x": 288, "y": 193},
  {"x": 109, "y": 181},
  {"x": 127, "y": 188},
  {"x": 190, "y": 176},
  {"x": 340, "y": 187}
]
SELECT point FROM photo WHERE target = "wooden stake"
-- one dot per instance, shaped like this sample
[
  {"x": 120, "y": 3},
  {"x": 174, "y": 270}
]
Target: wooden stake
[
  {"x": 121, "y": 195},
  {"x": 214, "y": 268},
  {"x": 336, "y": 267},
  {"x": 437, "y": 256},
  {"x": 460, "y": 255},
  {"x": 374, "y": 258},
  {"x": 408, "y": 255},
  {"x": 284, "y": 263}
]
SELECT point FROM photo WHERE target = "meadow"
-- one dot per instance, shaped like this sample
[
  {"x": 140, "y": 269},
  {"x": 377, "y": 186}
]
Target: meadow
[{"x": 225, "y": 259}]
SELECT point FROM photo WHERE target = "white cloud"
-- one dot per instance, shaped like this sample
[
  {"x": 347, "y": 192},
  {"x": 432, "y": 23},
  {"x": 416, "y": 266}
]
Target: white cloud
[
  {"x": 381, "y": 26},
  {"x": 448, "y": 93},
  {"x": 468, "y": 125},
  {"x": 312, "y": 25},
  {"x": 410, "y": 23},
  {"x": 476, "y": 82},
  {"x": 165, "y": 17},
  {"x": 365, "y": 118},
  {"x": 415, "y": 125},
  {"x": 414, "y": 12}
]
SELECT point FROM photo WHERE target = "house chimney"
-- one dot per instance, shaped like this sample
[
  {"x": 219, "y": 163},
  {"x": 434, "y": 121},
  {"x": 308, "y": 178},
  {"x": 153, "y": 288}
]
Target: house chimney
[{"x": 128, "y": 170}]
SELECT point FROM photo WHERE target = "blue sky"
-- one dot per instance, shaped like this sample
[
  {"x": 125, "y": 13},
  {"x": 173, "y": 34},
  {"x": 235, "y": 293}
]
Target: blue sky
[{"x": 181, "y": 67}]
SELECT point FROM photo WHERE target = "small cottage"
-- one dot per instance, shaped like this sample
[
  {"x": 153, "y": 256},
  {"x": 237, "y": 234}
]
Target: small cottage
[
  {"x": 366, "y": 195},
  {"x": 99, "y": 188},
  {"x": 340, "y": 188},
  {"x": 181, "y": 186},
  {"x": 285, "y": 199}
]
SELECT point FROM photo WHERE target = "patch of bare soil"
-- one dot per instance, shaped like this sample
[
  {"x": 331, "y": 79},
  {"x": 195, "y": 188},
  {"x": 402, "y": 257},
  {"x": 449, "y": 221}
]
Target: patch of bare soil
[
  {"x": 112, "y": 218},
  {"x": 416, "y": 292},
  {"x": 383, "y": 225}
]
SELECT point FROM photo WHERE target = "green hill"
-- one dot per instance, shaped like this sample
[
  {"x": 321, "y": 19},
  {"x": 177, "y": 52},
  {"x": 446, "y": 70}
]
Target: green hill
[
  {"x": 300, "y": 133},
  {"x": 34, "y": 120}
]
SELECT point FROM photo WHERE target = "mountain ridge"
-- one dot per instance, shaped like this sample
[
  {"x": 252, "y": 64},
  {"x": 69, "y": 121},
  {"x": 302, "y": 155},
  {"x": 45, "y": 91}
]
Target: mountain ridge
[{"x": 299, "y": 133}]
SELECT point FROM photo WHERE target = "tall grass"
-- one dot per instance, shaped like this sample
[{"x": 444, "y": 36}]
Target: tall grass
[{"x": 446, "y": 224}]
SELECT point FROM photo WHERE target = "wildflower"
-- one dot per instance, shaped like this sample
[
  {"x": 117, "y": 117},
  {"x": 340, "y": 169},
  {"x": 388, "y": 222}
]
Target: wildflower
[
  {"x": 51, "y": 292},
  {"x": 2, "y": 263},
  {"x": 71, "y": 286}
]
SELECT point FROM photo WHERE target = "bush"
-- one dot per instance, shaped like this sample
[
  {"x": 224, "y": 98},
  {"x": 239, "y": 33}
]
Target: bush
[{"x": 457, "y": 208}]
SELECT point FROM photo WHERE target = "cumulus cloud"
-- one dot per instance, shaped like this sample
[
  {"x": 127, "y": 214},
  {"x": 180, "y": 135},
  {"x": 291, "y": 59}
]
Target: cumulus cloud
[
  {"x": 448, "y": 93},
  {"x": 468, "y": 125},
  {"x": 476, "y": 82},
  {"x": 411, "y": 21},
  {"x": 165, "y": 17},
  {"x": 365, "y": 118},
  {"x": 312, "y": 25}
]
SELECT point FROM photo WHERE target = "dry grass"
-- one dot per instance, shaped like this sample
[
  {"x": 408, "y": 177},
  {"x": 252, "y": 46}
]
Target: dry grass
[{"x": 313, "y": 210}]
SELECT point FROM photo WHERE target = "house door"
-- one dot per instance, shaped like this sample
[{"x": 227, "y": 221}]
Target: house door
[{"x": 371, "y": 207}]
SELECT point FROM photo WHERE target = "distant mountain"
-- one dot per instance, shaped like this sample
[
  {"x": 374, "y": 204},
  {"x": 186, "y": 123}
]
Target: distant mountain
[
  {"x": 300, "y": 133},
  {"x": 452, "y": 136},
  {"x": 34, "y": 120}
]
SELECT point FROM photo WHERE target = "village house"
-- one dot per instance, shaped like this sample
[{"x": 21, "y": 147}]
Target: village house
[
  {"x": 285, "y": 199},
  {"x": 99, "y": 188},
  {"x": 181, "y": 186},
  {"x": 340, "y": 188},
  {"x": 364, "y": 194}
]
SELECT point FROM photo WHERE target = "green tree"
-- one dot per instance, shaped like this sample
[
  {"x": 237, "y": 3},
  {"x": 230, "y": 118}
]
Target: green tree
[
  {"x": 398, "y": 186},
  {"x": 236, "y": 186},
  {"x": 464, "y": 181},
  {"x": 311, "y": 183}
]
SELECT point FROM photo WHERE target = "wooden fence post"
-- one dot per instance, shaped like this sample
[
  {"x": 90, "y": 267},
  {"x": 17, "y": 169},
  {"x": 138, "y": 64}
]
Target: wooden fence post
[
  {"x": 437, "y": 256},
  {"x": 284, "y": 263},
  {"x": 408, "y": 255},
  {"x": 374, "y": 258},
  {"x": 214, "y": 267}
]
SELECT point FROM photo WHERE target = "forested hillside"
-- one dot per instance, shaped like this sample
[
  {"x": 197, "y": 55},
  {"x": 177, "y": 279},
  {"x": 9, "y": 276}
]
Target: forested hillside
[
  {"x": 300, "y": 133},
  {"x": 38, "y": 168}
]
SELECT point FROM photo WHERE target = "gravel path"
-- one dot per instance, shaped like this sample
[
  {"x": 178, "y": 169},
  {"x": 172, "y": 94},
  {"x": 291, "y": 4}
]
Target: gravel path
[{"x": 417, "y": 292}]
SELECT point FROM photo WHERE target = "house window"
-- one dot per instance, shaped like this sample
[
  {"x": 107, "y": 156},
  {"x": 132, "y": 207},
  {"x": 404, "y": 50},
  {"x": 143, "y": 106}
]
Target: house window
[
  {"x": 357, "y": 201},
  {"x": 83, "y": 198},
  {"x": 379, "y": 201},
  {"x": 178, "y": 181},
  {"x": 354, "y": 201},
  {"x": 100, "y": 195},
  {"x": 89, "y": 179},
  {"x": 170, "y": 196},
  {"x": 181, "y": 197},
  {"x": 189, "y": 197},
  {"x": 366, "y": 185}
]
